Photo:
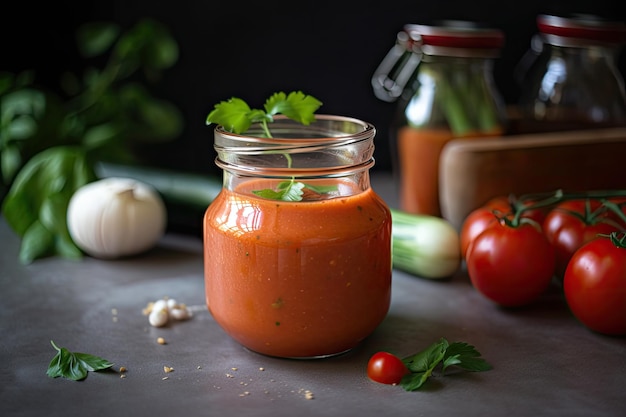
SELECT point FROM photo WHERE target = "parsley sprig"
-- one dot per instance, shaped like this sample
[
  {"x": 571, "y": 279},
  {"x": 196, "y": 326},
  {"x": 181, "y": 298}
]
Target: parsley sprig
[
  {"x": 74, "y": 365},
  {"x": 236, "y": 116},
  {"x": 423, "y": 364}
]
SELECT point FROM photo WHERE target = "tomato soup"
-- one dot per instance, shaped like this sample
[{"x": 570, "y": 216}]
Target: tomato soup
[
  {"x": 419, "y": 151},
  {"x": 298, "y": 279}
]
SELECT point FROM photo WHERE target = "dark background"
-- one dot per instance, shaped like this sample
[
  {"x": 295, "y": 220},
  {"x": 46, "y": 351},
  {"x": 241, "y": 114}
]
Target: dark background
[{"x": 250, "y": 50}]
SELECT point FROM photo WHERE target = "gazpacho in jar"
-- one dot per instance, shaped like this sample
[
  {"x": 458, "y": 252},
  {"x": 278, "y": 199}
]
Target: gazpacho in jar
[{"x": 308, "y": 277}]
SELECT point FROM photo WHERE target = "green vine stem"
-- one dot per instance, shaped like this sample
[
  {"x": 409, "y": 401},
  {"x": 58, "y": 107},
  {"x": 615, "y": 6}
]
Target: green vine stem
[{"x": 543, "y": 200}]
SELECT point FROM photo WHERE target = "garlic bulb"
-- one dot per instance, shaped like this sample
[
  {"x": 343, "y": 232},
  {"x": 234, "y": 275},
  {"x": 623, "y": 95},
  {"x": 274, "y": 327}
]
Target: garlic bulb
[{"x": 115, "y": 217}]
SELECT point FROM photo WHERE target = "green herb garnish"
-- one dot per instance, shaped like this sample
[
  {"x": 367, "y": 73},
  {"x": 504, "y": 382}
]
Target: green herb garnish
[
  {"x": 236, "y": 116},
  {"x": 423, "y": 364},
  {"x": 74, "y": 365},
  {"x": 285, "y": 191}
]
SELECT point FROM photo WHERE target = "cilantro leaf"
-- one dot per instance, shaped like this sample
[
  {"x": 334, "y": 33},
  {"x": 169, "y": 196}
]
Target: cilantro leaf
[
  {"x": 423, "y": 363},
  {"x": 297, "y": 106},
  {"x": 427, "y": 358},
  {"x": 414, "y": 380},
  {"x": 286, "y": 191},
  {"x": 236, "y": 116},
  {"x": 464, "y": 356},
  {"x": 74, "y": 365}
]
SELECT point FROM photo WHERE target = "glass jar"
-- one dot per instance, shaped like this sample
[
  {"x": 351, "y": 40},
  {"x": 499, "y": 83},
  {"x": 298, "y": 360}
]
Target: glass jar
[
  {"x": 305, "y": 278},
  {"x": 442, "y": 78},
  {"x": 569, "y": 77}
]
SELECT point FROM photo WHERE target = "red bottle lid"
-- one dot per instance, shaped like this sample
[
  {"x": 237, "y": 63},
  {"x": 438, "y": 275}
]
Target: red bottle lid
[
  {"x": 456, "y": 38},
  {"x": 581, "y": 30}
]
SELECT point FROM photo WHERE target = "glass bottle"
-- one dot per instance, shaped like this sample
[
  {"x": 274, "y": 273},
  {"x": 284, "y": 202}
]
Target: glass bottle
[
  {"x": 569, "y": 77},
  {"x": 309, "y": 277},
  {"x": 442, "y": 78}
]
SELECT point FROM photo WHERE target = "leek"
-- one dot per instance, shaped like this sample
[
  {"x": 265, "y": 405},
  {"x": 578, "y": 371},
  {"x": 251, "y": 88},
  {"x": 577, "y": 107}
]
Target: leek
[{"x": 425, "y": 246}]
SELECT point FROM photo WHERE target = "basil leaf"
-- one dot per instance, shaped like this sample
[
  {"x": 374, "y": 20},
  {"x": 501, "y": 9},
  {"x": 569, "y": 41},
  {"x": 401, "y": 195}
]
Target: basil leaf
[
  {"x": 36, "y": 204},
  {"x": 74, "y": 365}
]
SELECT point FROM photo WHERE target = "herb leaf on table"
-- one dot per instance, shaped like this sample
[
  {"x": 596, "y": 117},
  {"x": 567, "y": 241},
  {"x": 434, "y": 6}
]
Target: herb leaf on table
[
  {"x": 75, "y": 365},
  {"x": 423, "y": 363}
]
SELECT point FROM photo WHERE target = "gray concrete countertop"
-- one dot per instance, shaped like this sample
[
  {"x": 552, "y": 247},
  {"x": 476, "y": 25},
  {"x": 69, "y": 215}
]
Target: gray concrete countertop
[{"x": 545, "y": 362}]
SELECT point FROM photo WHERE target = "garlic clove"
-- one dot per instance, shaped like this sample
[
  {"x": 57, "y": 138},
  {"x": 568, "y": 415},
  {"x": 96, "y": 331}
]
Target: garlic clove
[
  {"x": 116, "y": 217},
  {"x": 158, "y": 318}
]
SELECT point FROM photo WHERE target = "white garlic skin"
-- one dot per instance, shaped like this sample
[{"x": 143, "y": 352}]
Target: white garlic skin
[
  {"x": 116, "y": 217},
  {"x": 158, "y": 318}
]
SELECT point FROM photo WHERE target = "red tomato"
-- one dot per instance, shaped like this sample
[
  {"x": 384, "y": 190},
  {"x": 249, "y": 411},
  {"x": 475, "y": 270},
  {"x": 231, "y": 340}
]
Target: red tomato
[
  {"x": 537, "y": 214},
  {"x": 511, "y": 266},
  {"x": 473, "y": 225},
  {"x": 386, "y": 368},
  {"x": 573, "y": 223},
  {"x": 595, "y": 286},
  {"x": 488, "y": 214},
  {"x": 500, "y": 204}
]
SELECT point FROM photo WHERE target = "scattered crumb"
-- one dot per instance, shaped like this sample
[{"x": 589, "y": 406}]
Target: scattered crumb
[
  {"x": 261, "y": 369},
  {"x": 165, "y": 377},
  {"x": 123, "y": 369},
  {"x": 168, "y": 369},
  {"x": 123, "y": 376},
  {"x": 161, "y": 341},
  {"x": 148, "y": 308}
]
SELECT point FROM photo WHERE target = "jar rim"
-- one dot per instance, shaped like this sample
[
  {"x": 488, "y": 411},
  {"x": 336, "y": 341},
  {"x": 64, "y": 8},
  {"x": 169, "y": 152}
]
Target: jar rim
[
  {"x": 251, "y": 153},
  {"x": 362, "y": 130}
]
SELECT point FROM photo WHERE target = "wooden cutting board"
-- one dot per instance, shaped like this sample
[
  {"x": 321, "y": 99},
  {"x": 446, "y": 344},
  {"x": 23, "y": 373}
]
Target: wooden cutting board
[{"x": 473, "y": 170}]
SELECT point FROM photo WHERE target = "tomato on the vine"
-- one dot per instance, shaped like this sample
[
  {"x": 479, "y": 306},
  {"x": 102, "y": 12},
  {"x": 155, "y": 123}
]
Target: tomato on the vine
[
  {"x": 475, "y": 223},
  {"x": 595, "y": 285},
  {"x": 512, "y": 265},
  {"x": 620, "y": 203},
  {"x": 570, "y": 224},
  {"x": 493, "y": 210},
  {"x": 386, "y": 368}
]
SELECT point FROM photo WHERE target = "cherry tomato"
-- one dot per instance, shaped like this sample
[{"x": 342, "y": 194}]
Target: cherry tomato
[
  {"x": 571, "y": 224},
  {"x": 386, "y": 368},
  {"x": 595, "y": 286},
  {"x": 512, "y": 266}
]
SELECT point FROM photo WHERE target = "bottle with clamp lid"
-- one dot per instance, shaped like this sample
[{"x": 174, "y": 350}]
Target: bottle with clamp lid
[
  {"x": 441, "y": 77},
  {"x": 569, "y": 77}
]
